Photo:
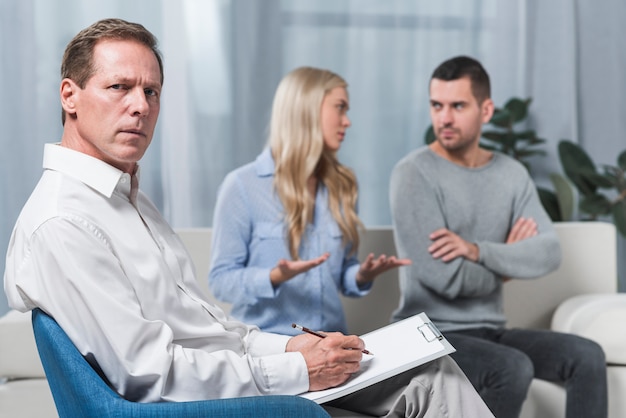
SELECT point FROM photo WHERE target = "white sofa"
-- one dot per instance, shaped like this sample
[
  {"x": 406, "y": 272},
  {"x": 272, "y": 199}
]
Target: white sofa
[
  {"x": 580, "y": 297},
  {"x": 583, "y": 290}
]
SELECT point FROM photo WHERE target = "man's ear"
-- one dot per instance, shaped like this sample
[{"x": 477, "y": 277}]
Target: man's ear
[
  {"x": 69, "y": 90},
  {"x": 487, "y": 109}
]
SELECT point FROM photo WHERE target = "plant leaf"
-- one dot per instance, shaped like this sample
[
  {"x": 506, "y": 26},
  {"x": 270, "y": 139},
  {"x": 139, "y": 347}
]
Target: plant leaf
[
  {"x": 621, "y": 160},
  {"x": 614, "y": 174},
  {"x": 619, "y": 216},
  {"x": 528, "y": 134},
  {"x": 518, "y": 108},
  {"x": 603, "y": 181},
  {"x": 501, "y": 118},
  {"x": 564, "y": 195},
  {"x": 495, "y": 136},
  {"x": 525, "y": 152},
  {"x": 550, "y": 203},
  {"x": 573, "y": 159},
  {"x": 595, "y": 204},
  {"x": 429, "y": 135}
]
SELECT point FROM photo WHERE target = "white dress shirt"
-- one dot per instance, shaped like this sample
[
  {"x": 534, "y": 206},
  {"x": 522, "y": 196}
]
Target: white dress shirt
[{"x": 97, "y": 256}]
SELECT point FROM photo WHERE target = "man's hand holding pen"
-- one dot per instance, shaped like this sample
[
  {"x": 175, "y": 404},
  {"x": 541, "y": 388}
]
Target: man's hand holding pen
[{"x": 330, "y": 360}]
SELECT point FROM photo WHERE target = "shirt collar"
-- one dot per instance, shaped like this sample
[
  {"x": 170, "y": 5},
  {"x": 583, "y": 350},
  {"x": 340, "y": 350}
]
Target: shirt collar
[
  {"x": 89, "y": 170},
  {"x": 264, "y": 164}
]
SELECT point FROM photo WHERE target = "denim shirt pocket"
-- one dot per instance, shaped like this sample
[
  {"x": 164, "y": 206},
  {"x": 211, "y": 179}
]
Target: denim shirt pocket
[
  {"x": 269, "y": 243},
  {"x": 269, "y": 230},
  {"x": 334, "y": 245}
]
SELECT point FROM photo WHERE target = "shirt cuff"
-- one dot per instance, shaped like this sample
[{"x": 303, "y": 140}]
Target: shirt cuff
[
  {"x": 482, "y": 250},
  {"x": 352, "y": 287},
  {"x": 263, "y": 284},
  {"x": 286, "y": 373},
  {"x": 266, "y": 343}
]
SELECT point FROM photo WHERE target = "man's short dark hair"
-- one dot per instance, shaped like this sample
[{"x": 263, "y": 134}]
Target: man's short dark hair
[{"x": 463, "y": 66}]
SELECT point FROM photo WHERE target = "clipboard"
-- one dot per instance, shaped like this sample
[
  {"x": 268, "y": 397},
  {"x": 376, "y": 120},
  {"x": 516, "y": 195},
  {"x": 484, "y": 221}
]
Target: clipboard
[{"x": 397, "y": 347}]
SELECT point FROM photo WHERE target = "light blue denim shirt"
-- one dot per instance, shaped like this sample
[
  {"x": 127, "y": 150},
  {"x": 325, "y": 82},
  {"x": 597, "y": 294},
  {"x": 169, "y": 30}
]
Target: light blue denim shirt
[{"x": 249, "y": 238}]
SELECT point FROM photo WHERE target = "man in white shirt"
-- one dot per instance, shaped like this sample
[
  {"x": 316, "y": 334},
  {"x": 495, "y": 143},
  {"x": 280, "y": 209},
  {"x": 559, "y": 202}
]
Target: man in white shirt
[{"x": 92, "y": 251}]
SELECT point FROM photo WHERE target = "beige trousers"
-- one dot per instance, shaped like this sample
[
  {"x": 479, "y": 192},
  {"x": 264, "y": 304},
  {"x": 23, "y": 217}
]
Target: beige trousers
[{"x": 437, "y": 389}]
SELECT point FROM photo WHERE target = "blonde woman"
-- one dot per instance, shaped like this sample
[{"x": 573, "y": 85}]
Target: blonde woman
[{"x": 285, "y": 231}]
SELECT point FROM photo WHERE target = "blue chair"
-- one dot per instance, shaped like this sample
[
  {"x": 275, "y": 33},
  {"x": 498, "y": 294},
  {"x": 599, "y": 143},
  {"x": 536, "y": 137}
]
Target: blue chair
[{"x": 79, "y": 390}]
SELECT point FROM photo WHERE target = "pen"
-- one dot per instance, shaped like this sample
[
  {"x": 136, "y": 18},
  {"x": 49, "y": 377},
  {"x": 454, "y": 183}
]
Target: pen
[{"x": 317, "y": 334}]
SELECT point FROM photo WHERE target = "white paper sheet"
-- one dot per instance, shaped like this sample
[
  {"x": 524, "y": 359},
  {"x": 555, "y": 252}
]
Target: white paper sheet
[{"x": 397, "y": 348}]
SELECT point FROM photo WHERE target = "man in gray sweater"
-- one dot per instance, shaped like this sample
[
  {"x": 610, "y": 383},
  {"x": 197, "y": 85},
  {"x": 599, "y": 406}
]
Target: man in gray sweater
[{"x": 471, "y": 220}]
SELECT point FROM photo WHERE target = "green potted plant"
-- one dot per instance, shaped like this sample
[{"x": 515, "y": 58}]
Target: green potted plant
[{"x": 601, "y": 190}]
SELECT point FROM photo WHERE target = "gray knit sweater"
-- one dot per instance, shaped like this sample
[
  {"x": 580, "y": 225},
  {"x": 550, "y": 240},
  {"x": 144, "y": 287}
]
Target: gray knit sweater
[{"x": 428, "y": 192}]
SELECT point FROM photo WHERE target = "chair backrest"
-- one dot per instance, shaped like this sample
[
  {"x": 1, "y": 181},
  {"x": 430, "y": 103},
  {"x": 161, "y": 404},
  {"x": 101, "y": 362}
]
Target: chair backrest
[
  {"x": 79, "y": 391},
  {"x": 73, "y": 382}
]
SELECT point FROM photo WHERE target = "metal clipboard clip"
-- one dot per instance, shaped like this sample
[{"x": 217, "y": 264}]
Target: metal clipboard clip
[{"x": 430, "y": 332}]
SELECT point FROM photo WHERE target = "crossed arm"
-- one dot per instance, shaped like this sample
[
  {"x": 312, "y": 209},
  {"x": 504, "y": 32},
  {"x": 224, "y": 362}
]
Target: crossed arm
[
  {"x": 447, "y": 245},
  {"x": 461, "y": 247}
]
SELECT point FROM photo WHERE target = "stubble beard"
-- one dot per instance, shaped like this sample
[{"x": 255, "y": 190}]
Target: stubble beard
[{"x": 457, "y": 144}]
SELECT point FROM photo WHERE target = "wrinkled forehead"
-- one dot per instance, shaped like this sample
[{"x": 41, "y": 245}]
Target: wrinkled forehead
[{"x": 126, "y": 58}]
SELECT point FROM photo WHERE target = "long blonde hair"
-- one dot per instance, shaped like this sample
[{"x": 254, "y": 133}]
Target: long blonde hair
[{"x": 297, "y": 145}]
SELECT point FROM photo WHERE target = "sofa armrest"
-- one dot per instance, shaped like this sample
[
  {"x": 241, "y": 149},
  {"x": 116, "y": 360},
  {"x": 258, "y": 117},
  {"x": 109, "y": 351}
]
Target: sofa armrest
[
  {"x": 599, "y": 317},
  {"x": 18, "y": 353}
]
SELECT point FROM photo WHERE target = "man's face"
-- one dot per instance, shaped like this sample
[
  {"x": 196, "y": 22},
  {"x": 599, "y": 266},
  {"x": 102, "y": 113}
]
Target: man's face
[
  {"x": 456, "y": 116},
  {"x": 115, "y": 114}
]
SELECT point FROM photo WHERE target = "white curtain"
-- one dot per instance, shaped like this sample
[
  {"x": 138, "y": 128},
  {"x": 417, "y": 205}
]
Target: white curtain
[{"x": 224, "y": 58}]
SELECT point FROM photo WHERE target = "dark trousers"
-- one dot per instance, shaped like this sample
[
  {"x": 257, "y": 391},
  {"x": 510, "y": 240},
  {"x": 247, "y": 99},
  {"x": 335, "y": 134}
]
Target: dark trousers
[{"x": 501, "y": 363}]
